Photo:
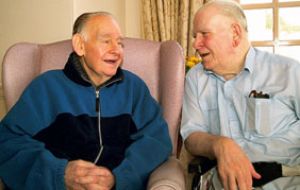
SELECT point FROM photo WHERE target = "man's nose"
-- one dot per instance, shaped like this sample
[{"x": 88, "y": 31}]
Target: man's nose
[
  {"x": 198, "y": 42},
  {"x": 115, "y": 47}
]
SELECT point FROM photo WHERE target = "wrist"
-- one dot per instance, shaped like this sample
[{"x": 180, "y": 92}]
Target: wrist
[{"x": 219, "y": 145}]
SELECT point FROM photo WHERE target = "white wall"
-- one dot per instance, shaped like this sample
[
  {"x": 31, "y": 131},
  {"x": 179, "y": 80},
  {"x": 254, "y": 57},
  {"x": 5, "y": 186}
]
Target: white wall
[
  {"x": 34, "y": 20},
  {"x": 44, "y": 21},
  {"x": 116, "y": 7},
  {"x": 132, "y": 18},
  {"x": 127, "y": 13}
]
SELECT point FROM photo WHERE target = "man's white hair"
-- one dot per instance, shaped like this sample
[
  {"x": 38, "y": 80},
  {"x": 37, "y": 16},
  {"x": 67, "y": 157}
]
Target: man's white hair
[{"x": 229, "y": 8}]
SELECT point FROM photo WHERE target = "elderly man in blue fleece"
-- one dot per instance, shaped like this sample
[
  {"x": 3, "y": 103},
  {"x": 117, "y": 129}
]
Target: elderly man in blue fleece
[{"x": 85, "y": 127}]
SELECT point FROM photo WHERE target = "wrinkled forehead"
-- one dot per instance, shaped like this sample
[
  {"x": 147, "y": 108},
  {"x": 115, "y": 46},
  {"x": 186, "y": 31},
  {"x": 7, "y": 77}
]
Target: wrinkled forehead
[
  {"x": 208, "y": 10},
  {"x": 102, "y": 25},
  {"x": 101, "y": 21},
  {"x": 211, "y": 12},
  {"x": 204, "y": 15}
]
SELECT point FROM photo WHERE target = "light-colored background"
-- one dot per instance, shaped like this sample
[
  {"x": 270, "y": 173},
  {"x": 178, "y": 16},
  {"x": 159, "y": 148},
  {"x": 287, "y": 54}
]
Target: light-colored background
[{"x": 45, "y": 21}]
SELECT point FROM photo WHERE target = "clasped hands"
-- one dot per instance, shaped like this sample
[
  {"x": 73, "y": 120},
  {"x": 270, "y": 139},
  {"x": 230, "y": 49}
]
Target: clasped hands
[{"x": 83, "y": 175}]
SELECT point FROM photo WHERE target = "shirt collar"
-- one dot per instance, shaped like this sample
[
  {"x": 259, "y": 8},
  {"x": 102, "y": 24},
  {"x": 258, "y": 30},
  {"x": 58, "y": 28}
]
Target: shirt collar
[{"x": 249, "y": 62}]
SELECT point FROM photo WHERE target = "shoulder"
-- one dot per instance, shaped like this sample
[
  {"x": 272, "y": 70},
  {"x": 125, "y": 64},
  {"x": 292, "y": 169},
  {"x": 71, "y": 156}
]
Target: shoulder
[
  {"x": 271, "y": 62},
  {"x": 48, "y": 75},
  {"x": 132, "y": 78},
  {"x": 45, "y": 79},
  {"x": 275, "y": 67},
  {"x": 275, "y": 59},
  {"x": 130, "y": 75}
]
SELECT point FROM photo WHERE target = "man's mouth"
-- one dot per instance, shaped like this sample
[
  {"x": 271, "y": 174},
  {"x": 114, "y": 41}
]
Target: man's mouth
[
  {"x": 111, "y": 61},
  {"x": 202, "y": 55}
]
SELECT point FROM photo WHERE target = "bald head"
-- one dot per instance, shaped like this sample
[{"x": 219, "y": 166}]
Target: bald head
[
  {"x": 228, "y": 8},
  {"x": 81, "y": 21}
]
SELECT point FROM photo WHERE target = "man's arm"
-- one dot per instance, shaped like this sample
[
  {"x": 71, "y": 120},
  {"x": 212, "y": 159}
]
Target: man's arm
[
  {"x": 151, "y": 143},
  {"x": 25, "y": 163},
  {"x": 234, "y": 167}
]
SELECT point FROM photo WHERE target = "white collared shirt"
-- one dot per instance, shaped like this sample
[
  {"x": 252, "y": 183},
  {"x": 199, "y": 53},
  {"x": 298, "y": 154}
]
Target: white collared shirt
[{"x": 266, "y": 129}]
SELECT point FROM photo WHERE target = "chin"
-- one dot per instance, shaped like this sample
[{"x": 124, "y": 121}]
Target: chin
[
  {"x": 206, "y": 65},
  {"x": 111, "y": 73}
]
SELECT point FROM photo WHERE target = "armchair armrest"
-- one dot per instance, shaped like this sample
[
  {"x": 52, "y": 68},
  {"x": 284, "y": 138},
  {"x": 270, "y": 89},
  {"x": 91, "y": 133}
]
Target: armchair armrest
[
  {"x": 201, "y": 165},
  {"x": 198, "y": 167},
  {"x": 168, "y": 176}
]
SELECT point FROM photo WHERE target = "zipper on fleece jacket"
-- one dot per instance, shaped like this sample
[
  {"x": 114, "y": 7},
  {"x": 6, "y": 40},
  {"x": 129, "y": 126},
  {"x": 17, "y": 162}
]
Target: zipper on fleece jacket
[
  {"x": 98, "y": 111},
  {"x": 99, "y": 124}
]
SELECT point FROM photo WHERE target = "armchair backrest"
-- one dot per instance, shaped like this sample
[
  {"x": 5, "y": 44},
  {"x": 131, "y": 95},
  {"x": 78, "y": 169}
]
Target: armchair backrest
[{"x": 159, "y": 64}]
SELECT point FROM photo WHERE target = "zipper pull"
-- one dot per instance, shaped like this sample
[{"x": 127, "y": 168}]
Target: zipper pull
[{"x": 97, "y": 101}]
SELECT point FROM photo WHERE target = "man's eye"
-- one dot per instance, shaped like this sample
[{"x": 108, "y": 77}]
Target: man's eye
[
  {"x": 104, "y": 41},
  {"x": 205, "y": 33},
  {"x": 121, "y": 44}
]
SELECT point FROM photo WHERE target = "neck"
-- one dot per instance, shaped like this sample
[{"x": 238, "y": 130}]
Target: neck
[
  {"x": 238, "y": 63},
  {"x": 95, "y": 78},
  {"x": 229, "y": 76}
]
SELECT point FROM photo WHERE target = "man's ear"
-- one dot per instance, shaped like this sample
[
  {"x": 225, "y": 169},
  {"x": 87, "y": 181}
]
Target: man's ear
[
  {"x": 237, "y": 34},
  {"x": 78, "y": 44}
]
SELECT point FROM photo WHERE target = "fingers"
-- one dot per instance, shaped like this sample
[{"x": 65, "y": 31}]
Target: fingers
[
  {"x": 89, "y": 187},
  {"x": 234, "y": 167},
  {"x": 236, "y": 177},
  {"x": 78, "y": 168},
  {"x": 232, "y": 183},
  {"x": 254, "y": 173},
  {"x": 233, "y": 179},
  {"x": 98, "y": 170},
  {"x": 243, "y": 181},
  {"x": 85, "y": 175},
  {"x": 244, "y": 178},
  {"x": 99, "y": 175},
  {"x": 96, "y": 186}
]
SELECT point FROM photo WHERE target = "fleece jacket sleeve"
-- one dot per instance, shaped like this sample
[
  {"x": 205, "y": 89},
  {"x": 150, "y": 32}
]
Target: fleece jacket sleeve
[
  {"x": 24, "y": 162},
  {"x": 151, "y": 143}
]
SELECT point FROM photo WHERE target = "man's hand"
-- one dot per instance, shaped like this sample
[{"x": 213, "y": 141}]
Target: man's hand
[
  {"x": 234, "y": 168},
  {"x": 83, "y": 175}
]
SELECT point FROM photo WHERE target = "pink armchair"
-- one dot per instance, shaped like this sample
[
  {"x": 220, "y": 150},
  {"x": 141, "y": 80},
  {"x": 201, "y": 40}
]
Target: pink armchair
[{"x": 159, "y": 64}]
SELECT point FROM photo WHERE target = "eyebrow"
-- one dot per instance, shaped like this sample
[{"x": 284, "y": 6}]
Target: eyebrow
[{"x": 108, "y": 36}]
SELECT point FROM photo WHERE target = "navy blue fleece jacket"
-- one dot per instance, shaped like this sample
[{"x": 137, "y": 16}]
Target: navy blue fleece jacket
[{"x": 62, "y": 117}]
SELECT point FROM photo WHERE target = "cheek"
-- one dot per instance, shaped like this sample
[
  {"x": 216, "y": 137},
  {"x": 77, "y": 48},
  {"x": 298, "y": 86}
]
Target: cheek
[
  {"x": 221, "y": 44},
  {"x": 94, "y": 53},
  {"x": 122, "y": 54}
]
